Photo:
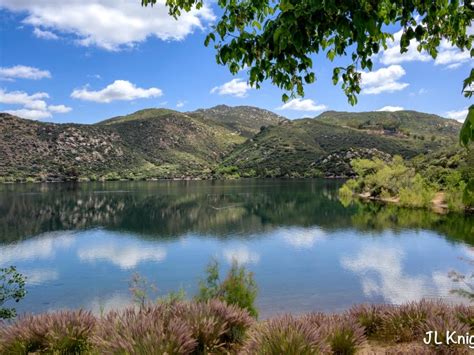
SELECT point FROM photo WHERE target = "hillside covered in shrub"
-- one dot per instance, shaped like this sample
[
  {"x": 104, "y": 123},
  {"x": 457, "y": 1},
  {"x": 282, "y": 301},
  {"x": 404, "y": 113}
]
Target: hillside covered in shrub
[{"x": 220, "y": 142}]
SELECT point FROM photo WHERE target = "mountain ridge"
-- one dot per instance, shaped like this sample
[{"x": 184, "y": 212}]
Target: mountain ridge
[{"x": 212, "y": 143}]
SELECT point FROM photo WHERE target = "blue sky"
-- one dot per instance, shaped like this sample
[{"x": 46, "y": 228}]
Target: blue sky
[{"x": 87, "y": 60}]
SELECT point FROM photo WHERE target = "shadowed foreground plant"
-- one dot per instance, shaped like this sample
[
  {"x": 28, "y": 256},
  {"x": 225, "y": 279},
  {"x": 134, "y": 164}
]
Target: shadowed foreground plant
[
  {"x": 466, "y": 315},
  {"x": 370, "y": 317},
  {"x": 343, "y": 334},
  {"x": 285, "y": 335},
  {"x": 173, "y": 328},
  {"x": 441, "y": 324},
  {"x": 64, "y": 332},
  {"x": 12, "y": 288},
  {"x": 147, "y": 330},
  {"x": 405, "y": 323},
  {"x": 215, "y": 325}
]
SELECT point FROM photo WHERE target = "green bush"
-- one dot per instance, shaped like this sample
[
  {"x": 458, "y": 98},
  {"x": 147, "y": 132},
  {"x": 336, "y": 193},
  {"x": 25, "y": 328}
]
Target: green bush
[
  {"x": 395, "y": 180},
  {"x": 238, "y": 288},
  {"x": 12, "y": 288}
]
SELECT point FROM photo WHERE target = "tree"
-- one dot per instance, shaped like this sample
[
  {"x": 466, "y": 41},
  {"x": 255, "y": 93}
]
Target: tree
[
  {"x": 12, "y": 288},
  {"x": 275, "y": 39}
]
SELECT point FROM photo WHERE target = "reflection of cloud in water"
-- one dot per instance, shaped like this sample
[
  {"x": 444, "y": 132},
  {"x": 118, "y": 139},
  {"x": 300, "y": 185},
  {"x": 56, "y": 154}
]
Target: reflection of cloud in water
[
  {"x": 124, "y": 254},
  {"x": 301, "y": 238},
  {"x": 381, "y": 273},
  {"x": 42, "y": 247},
  {"x": 242, "y": 255},
  {"x": 40, "y": 276},
  {"x": 115, "y": 302},
  {"x": 469, "y": 252}
]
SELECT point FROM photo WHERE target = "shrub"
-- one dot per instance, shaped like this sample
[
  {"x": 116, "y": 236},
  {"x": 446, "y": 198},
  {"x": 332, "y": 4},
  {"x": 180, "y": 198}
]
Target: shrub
[
  {"x": 465, "y": 314},
  {"x": 404, "y": 323},
  {"x": 441, "y": 324},
  {"x": 146, "y": 330},
  {"x": 370, "y": 317},
  {"x": 238, "y": 320},
  {"x": 12, "y": 288},
  {"x": 285, "y": 335},
  {"x": 238, "y": 288},
  {"x": 64, "y": 332},
  {"x": 215, "y": 325},
  {"x": 343, "y": 334}
]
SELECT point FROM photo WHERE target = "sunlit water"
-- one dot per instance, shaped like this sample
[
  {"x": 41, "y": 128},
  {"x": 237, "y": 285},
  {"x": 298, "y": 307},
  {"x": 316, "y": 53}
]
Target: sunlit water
[{"x": 80, "y": 244}]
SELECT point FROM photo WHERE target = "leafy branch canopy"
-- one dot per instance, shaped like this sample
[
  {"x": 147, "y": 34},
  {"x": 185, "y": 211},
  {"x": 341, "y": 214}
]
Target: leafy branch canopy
[{"x": 275, "y": 39}]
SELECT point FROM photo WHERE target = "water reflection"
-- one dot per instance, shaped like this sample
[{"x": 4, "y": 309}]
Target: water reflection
[
  {"x": 120, "y": 250},
  {"x": 79, "y": 244},
  {"x": 242, "y": 255}
]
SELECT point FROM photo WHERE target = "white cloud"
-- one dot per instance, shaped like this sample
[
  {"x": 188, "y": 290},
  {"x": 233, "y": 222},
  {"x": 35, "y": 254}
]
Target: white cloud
[
  {"x": 40, "y": 276},
  {"x": 23, "y": 72},
  {"x": 299, "y": 104},
  {"x": 392, "y": 54},
  {"x": 43, "y": 247},
  {"x": 30, "y": 114},
  {"x": 381, "y": 273},
  {"x": 235, "y": 87},
  {"x": 459, "y": 115},
  {"x": 180, "y": 104},
  {"x": 125, "y": 255},
  {"x": 118, "y": 90},
  {"x": 448, "y": 54},
  {"x": 39, "y": 33},
  {"x": 241, "y": 255},
  {"x": 380, "y": 268},
  {"x": 391, "y": 108},
  {"x": 451, "y": 56},
  {"x": 109, "y": 24},
  {"x": 59, "y": 108},
  {"x": 383, "y": 80},
  {"x": 301, "y": 238},
  {"x": 34, "y": 106}
]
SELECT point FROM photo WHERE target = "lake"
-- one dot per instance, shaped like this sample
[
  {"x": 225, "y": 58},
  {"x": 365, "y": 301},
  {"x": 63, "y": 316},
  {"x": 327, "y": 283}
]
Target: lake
[{"x": 79, "y": 244}]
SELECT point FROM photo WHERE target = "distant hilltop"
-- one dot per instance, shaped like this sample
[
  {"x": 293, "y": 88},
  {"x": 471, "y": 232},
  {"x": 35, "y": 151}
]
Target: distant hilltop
[{"x": 218, "y": 142}]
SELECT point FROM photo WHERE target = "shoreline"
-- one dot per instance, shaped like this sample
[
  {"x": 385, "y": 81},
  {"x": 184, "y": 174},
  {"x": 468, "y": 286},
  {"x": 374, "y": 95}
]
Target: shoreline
[{"x": 438, "y": 203}]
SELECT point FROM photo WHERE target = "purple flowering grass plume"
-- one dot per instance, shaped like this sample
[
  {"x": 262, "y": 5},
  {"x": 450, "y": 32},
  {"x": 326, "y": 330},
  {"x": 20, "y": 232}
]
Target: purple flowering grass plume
[
  {"x": 146, "y": 330},
  {"x": 63, "y": 332},
  {"x": 285, "y": 335}
]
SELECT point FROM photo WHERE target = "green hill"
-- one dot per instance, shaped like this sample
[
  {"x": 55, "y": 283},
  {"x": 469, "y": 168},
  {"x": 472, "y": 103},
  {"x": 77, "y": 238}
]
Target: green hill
[
  {"x": 245, "y": 120},
  {"x": 325, "y": 145},
  {"x": 221, "y": 141},
  {"x": 399, "y": 123}
]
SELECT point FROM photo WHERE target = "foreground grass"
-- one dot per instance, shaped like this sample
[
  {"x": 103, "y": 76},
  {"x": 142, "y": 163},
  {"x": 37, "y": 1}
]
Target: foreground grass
[{"x": 214, "y": 327}]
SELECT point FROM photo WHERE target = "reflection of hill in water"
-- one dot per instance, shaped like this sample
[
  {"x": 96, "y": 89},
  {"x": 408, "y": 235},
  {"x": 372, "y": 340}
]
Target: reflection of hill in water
[{"x": 170, "y": 209}]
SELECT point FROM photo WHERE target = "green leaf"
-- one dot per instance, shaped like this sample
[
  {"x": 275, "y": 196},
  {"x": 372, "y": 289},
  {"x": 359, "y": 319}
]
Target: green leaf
[{"x": 467, "y": 131}]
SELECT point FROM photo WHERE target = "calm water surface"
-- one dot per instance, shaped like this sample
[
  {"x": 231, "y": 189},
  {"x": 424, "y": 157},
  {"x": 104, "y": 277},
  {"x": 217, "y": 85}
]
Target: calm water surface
[{"x": 80, "y": 244}]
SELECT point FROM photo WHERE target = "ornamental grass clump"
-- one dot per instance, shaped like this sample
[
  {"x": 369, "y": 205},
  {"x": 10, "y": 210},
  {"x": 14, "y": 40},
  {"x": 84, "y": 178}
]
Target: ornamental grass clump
[
  {"x": 405, "y": 323},
  {"x": 63, "y": 332},
  {"x": 370, "y": 317},
  {"x": 285, "y": 335},
  {"x": 148, "y": 330},
  {"x": 465, "y": 314},
  {"x": 343, "y": 334},
  {"x": 441, "y": 324},
  {"x": 215, "y": 325}
]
